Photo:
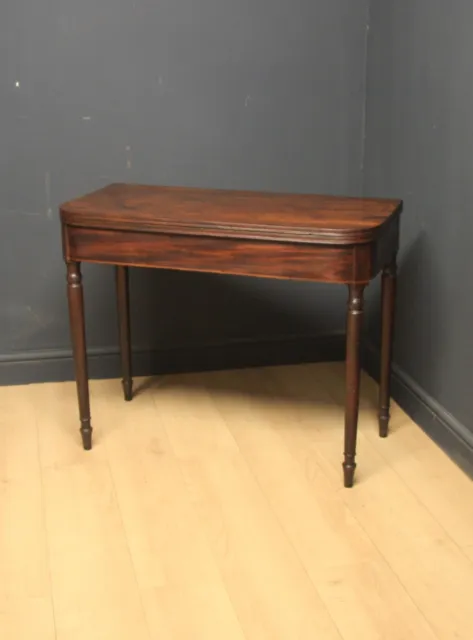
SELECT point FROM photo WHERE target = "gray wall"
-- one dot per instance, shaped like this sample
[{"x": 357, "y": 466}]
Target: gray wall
[
  {"x": 217, "y": 93},
  {"x": 419, "y": 146}
]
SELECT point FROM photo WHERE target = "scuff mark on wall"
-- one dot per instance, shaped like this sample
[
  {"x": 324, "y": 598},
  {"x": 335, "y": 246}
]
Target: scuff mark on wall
[
  {"x": 34, "y": 315},
  {"x": 247, "y": 100},
  {"x": 25, "y": 322},
  {"x": 128, "y": 156},
  {"x": 47, "y": 192},
  {"x": 163, "y": 87}
]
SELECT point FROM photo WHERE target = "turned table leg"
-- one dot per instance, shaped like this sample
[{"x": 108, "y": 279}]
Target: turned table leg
[
  {"x": 123, "y": 306},
  {"x": 354, "y": 322},
  {"x": 76, "y": 313},
  {"x": 388, "y": 295}
]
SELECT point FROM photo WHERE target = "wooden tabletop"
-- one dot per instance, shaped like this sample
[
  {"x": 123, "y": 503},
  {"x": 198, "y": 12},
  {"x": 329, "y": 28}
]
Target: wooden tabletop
[{"x": 313, "y": 219}]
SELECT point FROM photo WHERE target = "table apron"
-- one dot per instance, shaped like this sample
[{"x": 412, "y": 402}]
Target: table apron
[{"x": 322, "y": 263}]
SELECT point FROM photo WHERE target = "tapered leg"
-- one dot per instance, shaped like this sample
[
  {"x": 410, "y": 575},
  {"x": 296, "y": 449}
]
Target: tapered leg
[
  {"x": 123, "y": 304},
  {"x": 388, "y": 296},
  {"x": 354, "y": 322},
  {"x": 77, "y": 321}
]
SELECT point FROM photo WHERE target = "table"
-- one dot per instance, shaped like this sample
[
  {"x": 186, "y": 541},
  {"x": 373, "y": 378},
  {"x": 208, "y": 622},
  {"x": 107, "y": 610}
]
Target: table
[{"x": 272, "y": 235}]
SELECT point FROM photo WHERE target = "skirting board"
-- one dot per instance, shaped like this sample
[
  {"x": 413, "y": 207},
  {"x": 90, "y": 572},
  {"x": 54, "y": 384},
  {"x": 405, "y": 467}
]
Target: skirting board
[
  {"x": 451, "y": 435},
  {"x": 57, "y": 365}
]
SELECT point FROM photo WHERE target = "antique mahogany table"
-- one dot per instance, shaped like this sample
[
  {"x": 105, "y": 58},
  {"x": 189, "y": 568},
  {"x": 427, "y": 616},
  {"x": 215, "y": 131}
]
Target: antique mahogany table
[{"x": 272, "y": 235}]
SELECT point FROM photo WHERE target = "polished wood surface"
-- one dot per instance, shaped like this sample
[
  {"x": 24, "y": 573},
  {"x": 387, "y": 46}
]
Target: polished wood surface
[
  {"x": 319, "y": 263},
  {"x": 388, "y": 296},
  {"x": 124, "y": 329},
  {"x": 242, "y": 214},
  {"x": 210, "y": 508},
  {"x": 75, "y": 297},
  {"x": 352, "y": 377},
  {"x": 289, "y": 236}
]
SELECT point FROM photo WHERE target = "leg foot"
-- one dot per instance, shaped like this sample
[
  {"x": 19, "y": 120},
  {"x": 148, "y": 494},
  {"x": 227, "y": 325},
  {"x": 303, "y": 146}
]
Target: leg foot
[
  {"x": 383, "y": 422},
  {"x": 127, "y": 389},
  {"x": 86, "y": 433},
  {"x": 354, "y": 322},
  {"x": 388, "y": 294},
  {"x": 348, "y": 473}
]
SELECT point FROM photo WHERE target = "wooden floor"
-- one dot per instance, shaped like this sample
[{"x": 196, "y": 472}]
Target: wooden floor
[{"x": 212, "y": 507}]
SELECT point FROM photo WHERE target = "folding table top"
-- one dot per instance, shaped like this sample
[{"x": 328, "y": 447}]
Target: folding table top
[{"x": 281, "y": 217}]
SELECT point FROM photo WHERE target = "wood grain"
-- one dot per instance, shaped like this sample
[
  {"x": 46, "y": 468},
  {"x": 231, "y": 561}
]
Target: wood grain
[
  {"x": 243, "y": 214},
  {"x": 251, "y": 551},
  {"x": 174, "y": 566},
  {"x": 26, "y": 608},
  {"x": 211, "y": 507},
  {"x": 353, "y": 579},
  {"x": 222, "y": 255},
  {"x": 413, "y": 542}
]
